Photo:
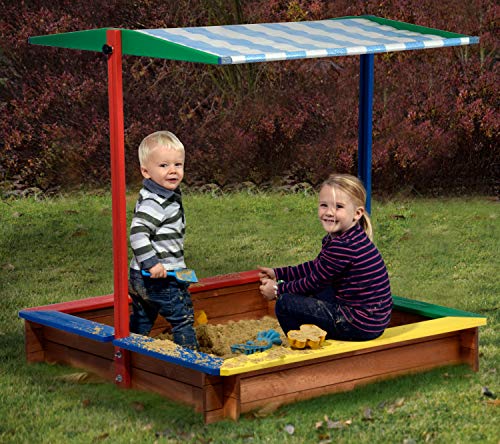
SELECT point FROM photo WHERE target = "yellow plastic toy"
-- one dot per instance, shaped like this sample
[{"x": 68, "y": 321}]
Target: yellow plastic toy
[{"x": 309, "y": 335}]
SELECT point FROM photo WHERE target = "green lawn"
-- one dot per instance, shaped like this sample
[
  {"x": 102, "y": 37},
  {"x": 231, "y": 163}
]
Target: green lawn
[{"x": 443, "y": 251}]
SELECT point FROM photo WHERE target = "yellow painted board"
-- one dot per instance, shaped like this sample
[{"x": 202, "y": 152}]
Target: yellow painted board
[{"x": 281, "y": 356}]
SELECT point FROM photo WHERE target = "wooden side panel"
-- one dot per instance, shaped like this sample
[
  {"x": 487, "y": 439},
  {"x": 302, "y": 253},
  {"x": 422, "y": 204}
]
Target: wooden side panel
[
  {"x": 204, "y": 398},
  {"x": 103, "y": 315},
  {"x": 103, "y": 349},
  {"x": 33, "y": 342},
  {"x": 330, "y": 375},
  {"x": 174, "y": 390},
  {"x": 216, "y": 292},
  {"x": 230, "y": 401},
  {"x": 469, "y": 341},
  {"x": 167, "y": 370},
  {"x": 230, "y": 304},
  {"x": 232, "y": 397},
  {"x": 403, "y": 318},
  {"x": 213, "y": 398},
  {"x": 63, "y": 354}
]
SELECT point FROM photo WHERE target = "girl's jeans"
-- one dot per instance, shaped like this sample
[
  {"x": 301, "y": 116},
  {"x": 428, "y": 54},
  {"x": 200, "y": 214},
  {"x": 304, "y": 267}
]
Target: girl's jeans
[
  {"x": 294, "y": 310},
  {"x": 167, "y": 297}
]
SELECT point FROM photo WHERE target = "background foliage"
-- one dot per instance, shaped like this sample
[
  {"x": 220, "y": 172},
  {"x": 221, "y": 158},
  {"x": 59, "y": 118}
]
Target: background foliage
[{"x": 436, "y": 122}]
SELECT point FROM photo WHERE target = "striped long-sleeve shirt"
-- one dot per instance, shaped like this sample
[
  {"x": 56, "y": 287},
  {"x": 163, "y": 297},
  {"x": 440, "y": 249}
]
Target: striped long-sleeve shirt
[
  {"x": 157, "y": 229},
  {"x": 353, "y": 267}
]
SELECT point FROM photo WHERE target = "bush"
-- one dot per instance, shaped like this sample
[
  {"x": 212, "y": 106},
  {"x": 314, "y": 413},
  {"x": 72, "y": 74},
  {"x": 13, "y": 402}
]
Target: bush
[{"x": 436, "y": 122}]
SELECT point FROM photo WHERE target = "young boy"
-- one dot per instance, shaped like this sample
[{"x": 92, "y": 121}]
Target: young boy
[{"x": 157, "y": 241}]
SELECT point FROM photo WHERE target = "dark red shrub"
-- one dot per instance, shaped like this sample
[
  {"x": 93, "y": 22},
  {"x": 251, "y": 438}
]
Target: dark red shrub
[{"x": 435, "y": 125}]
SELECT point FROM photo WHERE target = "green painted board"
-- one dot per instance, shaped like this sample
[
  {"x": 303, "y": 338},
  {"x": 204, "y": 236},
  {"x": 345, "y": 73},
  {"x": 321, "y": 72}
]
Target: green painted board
[{"x": 430, "y": 310}]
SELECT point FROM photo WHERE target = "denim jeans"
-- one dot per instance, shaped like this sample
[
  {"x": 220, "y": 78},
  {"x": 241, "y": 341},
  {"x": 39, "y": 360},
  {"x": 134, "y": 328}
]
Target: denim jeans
[
  {"x": 167, "y": 297},
  {"x": 294, "y": 310}
]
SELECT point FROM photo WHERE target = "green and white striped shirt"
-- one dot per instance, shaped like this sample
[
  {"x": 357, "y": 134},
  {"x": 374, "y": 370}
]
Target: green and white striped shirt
[{"x": 157, "y": 229}]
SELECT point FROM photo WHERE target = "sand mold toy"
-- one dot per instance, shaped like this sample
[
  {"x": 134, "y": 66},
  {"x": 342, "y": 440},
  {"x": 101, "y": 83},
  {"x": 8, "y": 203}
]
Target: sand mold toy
[
  {"x": 265, "y": 340},
  {"x": 309, "y": 335}
]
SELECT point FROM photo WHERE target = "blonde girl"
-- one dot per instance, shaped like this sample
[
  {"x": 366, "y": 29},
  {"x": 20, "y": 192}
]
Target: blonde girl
[{"x": 345, "y": 290}]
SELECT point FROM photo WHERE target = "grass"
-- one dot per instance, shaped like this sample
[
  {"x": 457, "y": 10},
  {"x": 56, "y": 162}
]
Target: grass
[{"x": 442, "y": 251}]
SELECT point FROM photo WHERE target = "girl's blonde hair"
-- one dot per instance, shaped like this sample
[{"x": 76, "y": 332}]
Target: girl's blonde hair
[
  {"x": 159, "y": 138},
  {"x": 354, "y": 188}
]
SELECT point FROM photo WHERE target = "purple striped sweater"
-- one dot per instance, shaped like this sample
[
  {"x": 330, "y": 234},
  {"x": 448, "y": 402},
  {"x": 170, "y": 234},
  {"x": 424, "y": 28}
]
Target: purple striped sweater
[{"x": 353, "y": 266}]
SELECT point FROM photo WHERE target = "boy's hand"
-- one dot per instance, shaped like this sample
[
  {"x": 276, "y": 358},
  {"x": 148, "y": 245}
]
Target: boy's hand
[
  {"x": 157, "y": 271},
  {"x": 266, "y": 273},
  {"x": 267, "y": 289}
]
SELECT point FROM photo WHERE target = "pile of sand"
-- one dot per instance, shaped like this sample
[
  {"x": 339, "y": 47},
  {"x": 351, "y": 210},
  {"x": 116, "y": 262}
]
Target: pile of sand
[{"x": 217, "y": 339}]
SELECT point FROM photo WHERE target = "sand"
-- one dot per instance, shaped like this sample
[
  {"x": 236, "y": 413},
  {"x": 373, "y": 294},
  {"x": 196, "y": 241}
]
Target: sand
[{"x": 217, "y": 339}]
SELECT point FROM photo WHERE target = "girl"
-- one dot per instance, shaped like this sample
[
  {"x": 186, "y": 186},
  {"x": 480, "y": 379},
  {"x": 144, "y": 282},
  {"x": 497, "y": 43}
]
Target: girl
[{"x": 345, "y": 290}]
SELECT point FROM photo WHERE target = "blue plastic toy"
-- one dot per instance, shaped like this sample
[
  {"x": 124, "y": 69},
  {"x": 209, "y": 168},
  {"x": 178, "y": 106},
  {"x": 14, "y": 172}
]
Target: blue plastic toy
[
  {"x": 265, "y": 340},
  {"x": 181, "y": 274}
]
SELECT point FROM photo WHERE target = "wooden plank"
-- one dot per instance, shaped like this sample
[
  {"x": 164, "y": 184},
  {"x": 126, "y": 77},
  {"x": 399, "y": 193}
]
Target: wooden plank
[
  {"x": 469, "y": 342},
  {"x": 392, "y": 337},
  {"x": 348, "y": 355},
  {"x": 63, "y": 354},
  {"x": 103, "y": 349},
  {"x": 309, "y": 376},
  {"x": 213, "y": 416},
  {"x": 218, "y": 292},
  {"x": 225, "y": 280},
  {"x": 428, "y": 310},
  {"x": 167, "y": 369},
  {"x": 78, "y": 305},
  {"x": 184, "y": 357},
  {"x": 174, "y": 390},
  {"x": 103, "y": 315},
  {"x": 231, "y": 304},
  {"x": 213, "y": 394},
  {"x": 404, "y": 318},
  {"x": 271, "y": 305},
  {"x": 255, "y": 314},
  {"x": 232, "y": 397},
  {"x": 343, "y": 386},
  {"x": 71, "y": 324},
  {"x": 33, "y": 342}
]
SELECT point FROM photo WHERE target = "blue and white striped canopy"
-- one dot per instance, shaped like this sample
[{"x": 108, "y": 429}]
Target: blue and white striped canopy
[
  {"x": 230, "y": 44},
  {"x": 233, "y": 44}
]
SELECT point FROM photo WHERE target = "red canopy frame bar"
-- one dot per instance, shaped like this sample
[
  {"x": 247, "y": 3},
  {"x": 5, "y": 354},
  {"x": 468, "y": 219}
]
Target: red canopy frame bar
[{"x": 113, "y": 50}]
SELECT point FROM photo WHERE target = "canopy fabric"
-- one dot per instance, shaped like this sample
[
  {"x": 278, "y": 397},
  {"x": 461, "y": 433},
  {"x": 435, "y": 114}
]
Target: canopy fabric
[{"x": 233, "y": 44}]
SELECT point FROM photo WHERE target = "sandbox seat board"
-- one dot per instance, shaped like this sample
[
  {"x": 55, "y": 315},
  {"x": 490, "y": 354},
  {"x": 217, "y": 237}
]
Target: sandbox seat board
[
  {"x": 171, "y": 352},
  {"x": 71, "y": 324},
  {"x": 394, "y": 335},
  {"x": 430, "y": 310}
]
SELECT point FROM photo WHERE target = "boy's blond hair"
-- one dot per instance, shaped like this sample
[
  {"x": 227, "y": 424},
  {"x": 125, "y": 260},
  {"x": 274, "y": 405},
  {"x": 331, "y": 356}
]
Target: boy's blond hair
[
  {"x": 355, "y": 189},
  {"x": 159, "y": 138}
]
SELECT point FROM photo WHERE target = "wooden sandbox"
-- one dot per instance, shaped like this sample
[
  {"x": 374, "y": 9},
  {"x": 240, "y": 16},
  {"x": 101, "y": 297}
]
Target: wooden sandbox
[{"x": 80, "y": 334}]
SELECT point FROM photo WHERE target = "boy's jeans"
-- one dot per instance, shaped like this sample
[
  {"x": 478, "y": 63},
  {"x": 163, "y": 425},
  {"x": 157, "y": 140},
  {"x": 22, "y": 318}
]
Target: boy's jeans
[
  {"x": 294, "y": 310},
  {"x": 166, "y": 297}
]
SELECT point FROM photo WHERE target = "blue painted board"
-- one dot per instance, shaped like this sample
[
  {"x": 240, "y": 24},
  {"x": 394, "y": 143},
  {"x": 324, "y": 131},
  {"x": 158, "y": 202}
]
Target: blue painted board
[
  {"x": 71, "y": 324},
  {"x": 182, "y": 356}
]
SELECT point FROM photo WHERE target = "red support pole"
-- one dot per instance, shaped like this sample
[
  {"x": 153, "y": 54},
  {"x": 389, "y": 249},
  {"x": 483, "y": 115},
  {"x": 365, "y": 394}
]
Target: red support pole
[{"x": 113, "y": 49}]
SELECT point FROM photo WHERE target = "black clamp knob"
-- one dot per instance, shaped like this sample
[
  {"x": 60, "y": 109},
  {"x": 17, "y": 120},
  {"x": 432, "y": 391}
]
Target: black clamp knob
[{"x": 107, "y": 50}]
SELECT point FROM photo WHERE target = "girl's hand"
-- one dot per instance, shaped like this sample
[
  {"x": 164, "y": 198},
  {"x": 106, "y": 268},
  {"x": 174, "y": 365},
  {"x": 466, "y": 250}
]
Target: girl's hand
[
  {"x": 267, "y": 289},
  {"x": 266, "y": 273},
  {"x": 158, "y": 271}
]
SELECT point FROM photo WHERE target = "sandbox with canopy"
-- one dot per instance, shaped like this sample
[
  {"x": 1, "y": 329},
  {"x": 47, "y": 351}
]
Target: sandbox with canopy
[{"x": 93, "y": 333}]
